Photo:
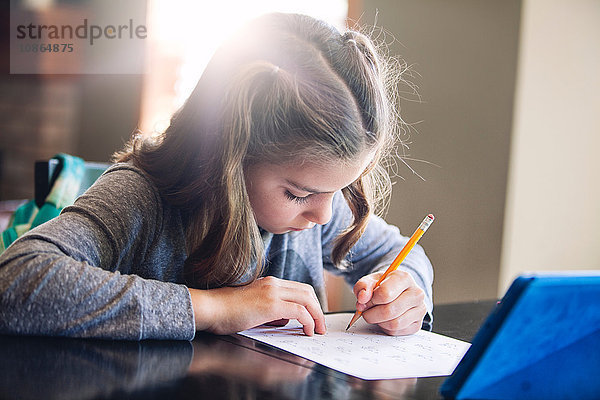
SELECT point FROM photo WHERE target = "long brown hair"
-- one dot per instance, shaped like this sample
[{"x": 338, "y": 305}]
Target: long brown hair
[{"x": 287, "y": 86}]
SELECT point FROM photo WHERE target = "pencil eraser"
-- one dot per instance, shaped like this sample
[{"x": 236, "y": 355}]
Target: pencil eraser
[{"x": 428, "y": 220}]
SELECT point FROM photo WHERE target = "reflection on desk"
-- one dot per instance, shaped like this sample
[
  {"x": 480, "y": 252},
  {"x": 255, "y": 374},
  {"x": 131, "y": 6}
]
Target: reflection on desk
[
  {"x": 47, "y": 368},
  {"x": 215, "y": 367}
]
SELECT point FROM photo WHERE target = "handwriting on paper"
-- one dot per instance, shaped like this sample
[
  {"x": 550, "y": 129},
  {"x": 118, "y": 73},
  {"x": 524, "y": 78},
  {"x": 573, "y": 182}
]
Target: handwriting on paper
[{"x": 366, "y": 352}]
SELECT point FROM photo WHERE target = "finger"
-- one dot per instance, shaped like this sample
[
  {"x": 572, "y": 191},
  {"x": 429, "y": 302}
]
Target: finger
[
  {"x": 389, "y": 289},
  {"x": 301, "y": 294},
  {"x": 304, "y": 295},
  {"x": 363, "y": 289},
  {"x": 411, "y": 297},
  {"x": 392, "y": 287},
  {"x": 300, "y": 313},
  {"x": 293, "y": 285},
  {"x": 406, "y": 323},
  {"x": 411, "y": 329},
  {"x": 363, "y": 301}
]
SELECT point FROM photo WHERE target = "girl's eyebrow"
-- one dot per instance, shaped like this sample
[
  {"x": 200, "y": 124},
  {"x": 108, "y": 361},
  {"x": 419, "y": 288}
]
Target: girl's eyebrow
[{"x": 305, "y": 188}]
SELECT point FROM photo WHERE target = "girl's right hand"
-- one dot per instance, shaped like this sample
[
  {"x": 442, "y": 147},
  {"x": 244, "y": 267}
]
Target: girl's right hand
[{"x": 232, "y": 309}]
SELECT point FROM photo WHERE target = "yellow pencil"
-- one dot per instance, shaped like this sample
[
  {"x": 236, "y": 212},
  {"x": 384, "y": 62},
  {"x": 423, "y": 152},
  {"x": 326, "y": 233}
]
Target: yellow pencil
[{"x": 399, "y": 258}]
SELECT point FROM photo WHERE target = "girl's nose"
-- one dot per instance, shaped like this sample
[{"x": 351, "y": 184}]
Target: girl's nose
[{"x": 320, "y": 213}]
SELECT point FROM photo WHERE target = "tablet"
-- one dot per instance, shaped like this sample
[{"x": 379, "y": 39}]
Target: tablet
[{"x": 542, "y": 341}]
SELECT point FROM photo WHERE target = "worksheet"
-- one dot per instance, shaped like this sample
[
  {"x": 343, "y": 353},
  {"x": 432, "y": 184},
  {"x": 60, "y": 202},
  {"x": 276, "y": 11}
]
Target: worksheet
[{"x": 366, "y": 352}]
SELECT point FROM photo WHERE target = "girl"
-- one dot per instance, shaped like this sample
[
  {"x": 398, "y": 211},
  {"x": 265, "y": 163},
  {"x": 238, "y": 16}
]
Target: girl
[{"x": 267, "y": 175}]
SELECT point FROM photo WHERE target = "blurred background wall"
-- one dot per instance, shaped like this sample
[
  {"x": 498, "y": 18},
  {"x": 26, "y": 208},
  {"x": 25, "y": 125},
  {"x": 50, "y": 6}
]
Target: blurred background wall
[
  {"x": 504, "y": 126},
  {"x": 552, "y": 219},
  {"x": 465, "y": 54}
]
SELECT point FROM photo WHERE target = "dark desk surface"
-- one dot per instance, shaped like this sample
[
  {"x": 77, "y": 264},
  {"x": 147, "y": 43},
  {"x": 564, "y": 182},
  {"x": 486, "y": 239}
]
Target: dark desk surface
[{"x": 210, "y": 367}]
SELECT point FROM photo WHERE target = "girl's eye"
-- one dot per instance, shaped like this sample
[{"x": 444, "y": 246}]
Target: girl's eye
[{"x": 296, "y": 199}]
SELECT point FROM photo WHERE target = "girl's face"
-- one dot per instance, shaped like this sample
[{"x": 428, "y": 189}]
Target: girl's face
[{"x": 297, "y": 196}]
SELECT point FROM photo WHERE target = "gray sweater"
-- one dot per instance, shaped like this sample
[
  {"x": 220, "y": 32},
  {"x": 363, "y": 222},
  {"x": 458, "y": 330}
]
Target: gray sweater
[{"x": 111, "y": 265}]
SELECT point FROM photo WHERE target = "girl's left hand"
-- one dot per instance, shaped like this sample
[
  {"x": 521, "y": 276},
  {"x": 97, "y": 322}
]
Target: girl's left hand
[{"x": 397, "y": 305}]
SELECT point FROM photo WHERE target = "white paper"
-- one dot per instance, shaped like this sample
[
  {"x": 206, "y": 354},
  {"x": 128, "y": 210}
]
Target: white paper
[{"x": 366, "y": 352}]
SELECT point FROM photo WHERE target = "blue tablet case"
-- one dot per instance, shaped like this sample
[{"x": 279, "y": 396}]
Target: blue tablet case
[{"x": 542, "y": 341}]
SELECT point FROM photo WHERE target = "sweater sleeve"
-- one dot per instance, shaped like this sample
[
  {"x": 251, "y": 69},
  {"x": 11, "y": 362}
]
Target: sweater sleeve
[
  {"x": 74, "y": 275},
  {"x": 375, "y": 250}
]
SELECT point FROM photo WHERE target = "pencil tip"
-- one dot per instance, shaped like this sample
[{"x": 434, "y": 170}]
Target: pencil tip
[{"x": 356, "y": 316}]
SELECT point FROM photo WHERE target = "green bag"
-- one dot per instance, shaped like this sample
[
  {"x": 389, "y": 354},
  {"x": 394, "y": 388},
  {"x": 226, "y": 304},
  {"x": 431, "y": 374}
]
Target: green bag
[{"x": 63, "y": 192}]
